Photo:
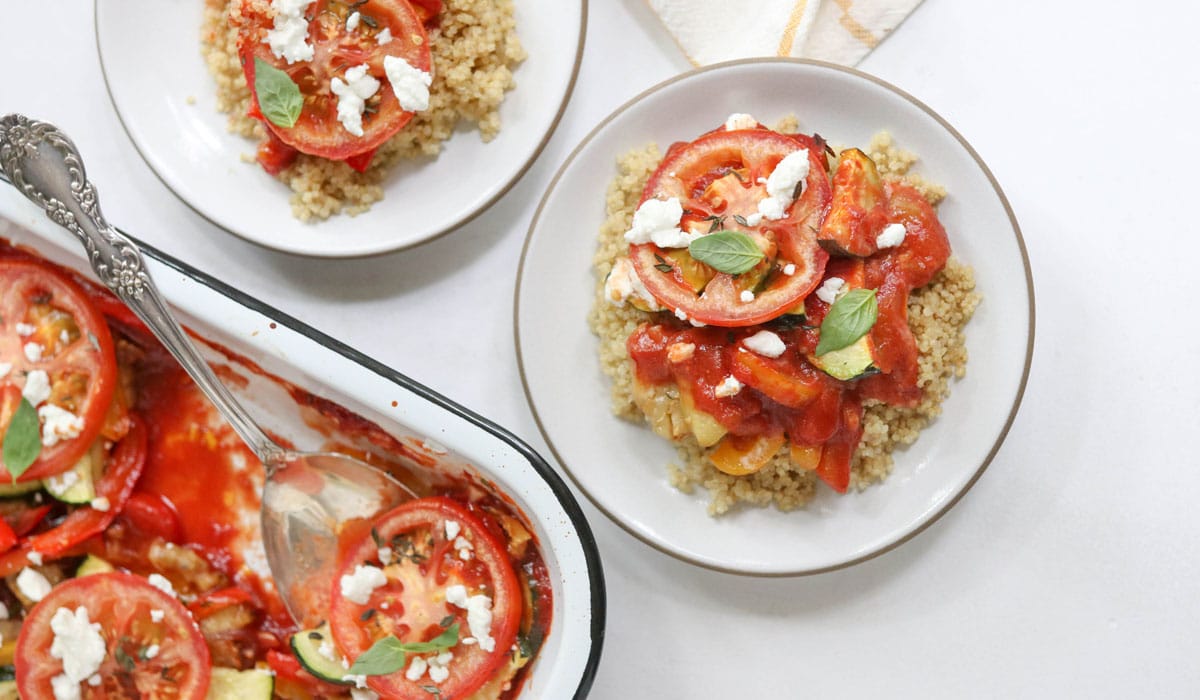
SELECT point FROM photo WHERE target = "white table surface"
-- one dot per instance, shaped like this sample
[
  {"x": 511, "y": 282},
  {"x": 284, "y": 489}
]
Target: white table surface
[{"x": 1070, "y": 570}]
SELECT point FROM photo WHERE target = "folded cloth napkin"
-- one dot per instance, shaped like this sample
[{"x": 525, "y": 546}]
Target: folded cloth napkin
[{"x": 841, "y": 31}]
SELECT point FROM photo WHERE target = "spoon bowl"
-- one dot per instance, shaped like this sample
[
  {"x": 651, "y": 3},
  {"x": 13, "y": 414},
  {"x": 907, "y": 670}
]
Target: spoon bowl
[{"x": 307, "y": 497}]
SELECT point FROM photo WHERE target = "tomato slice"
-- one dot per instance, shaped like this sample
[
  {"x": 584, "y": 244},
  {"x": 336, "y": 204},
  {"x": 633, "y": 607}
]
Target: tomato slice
[
  {"x": 412, "y": 604},
  {"x": 336, "y": 49},
  {"x": 76, "y": 351},
  {"x": 121, "y": 473},
  {"x": 143, "y": 658},
  {"x": 718, "y": 175}
]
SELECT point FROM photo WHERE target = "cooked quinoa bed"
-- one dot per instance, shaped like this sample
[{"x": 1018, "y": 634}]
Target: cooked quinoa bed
[
  {"x": 475, "y": 49},
  {"x": 937, "y": 314}
]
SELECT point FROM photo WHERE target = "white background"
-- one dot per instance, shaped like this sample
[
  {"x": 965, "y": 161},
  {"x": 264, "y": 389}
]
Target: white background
[{"x": 1072, "y": 567}]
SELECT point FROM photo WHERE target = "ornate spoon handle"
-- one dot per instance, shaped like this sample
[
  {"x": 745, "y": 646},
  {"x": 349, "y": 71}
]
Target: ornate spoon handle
[{"x": 44, "y": 165}]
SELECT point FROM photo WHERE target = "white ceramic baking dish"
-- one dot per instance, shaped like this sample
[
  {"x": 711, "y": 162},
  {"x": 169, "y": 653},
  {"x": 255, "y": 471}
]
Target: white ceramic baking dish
[{"x": 410, "y": 412}]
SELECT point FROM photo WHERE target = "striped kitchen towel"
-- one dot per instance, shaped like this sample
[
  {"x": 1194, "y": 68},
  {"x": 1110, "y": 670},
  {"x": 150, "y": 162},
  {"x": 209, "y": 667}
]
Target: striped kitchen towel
[{"x": 841, "y": 31}]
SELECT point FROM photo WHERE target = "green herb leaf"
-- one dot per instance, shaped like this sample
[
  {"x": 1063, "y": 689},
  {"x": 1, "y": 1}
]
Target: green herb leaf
[
  {"x": 389, "y": 654},
  {"x": 849, "y": 319},
  {"x": 385, "y": 656},
  {"x": 278, "y": 96},
  {"x": 442, "y": 642},
  {"x": 727, "y": 251},
  {"x": 22, "y": 440}
]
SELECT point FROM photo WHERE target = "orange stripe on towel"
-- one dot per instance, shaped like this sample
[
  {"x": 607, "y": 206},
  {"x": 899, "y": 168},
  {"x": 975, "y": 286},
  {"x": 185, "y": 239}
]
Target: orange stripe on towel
[
  {"x": 851, "y": 25},
  {"x": 789, "y": 32}
]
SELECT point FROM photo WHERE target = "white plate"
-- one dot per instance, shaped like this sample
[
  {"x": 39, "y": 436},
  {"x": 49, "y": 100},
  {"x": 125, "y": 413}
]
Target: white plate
[
  {"x": 622, "y": 467},
  {"x": 168, "y": 107}
]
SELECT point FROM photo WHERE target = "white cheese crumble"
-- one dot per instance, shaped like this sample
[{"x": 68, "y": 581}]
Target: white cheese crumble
[
  {"x": 161, "y": 583},
  {"x": 60, "y": 483},
  {"x": 729, "y": 386},
  {"x": 438, "y": 670},
  {"x": 33, "y": 352},
  {"x": 386, "y": 556},
  {"x": 828, "y": 292},
  {"x": 416, "y": 668},
  {"x": 25, "y": 330},
  {"x": 359, "y": 680},
  {"x": 287, "y": 38},
  {"x": 468, "y": 641},
  {"x": 479, "y": 614},
  {"x": 680, "y": 352},
  {"x": 765, "y": 343},
  {"x": 157, "y": 615},
  {"x": 746, "y": 296},
  {"x": 384, "y": 37},
  {"x": 58, "y": 424},
  {"x": 681, "y": 314},
  {"x": 5, "y": 368},
  {"x": 358, "y": 586},
  {"x": 35, "y": 557},
  {"x": 754, "y": 219},
  {"x": 352, "y": 21},
  {"x": 152, "y": 651},
  {"x": 657, "y": 221},
  {"x": 101, "y": 504},
  {"x": 623, "y": 282},
  {"x": 463, "y": 546},
  {"x": 737, "y": 120},
  {"x": 78, "y": 643},
  {"x": 64, "y": 688},
  {"x": 781, "y": 184},
  {"x": 32, "y": 584},
  {"x": 891, "y": 236},
  {"x": 452, "y": 529},
  {"x": 789, "y": 269},
  {"x": 352, "y": 94},
  {"x": 363, "y": 694},
  {"x": 37, "y": 387},
  {"x": 409, "y": 83}
]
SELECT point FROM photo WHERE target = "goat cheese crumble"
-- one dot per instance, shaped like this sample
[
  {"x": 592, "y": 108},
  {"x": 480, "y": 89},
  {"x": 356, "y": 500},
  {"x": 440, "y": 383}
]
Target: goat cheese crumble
[
  {"x": 358, "y": 586},
  {"x": 765, "y": 343}
]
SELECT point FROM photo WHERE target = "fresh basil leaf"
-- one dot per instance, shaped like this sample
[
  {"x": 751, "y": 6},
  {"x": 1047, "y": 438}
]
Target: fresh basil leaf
[
  {"x": 389, "y": 654},
  {"x": 385, "y": 656},
  {"x": 850, "y": 318},
  {"x": 278, "y": 96},
  {"x": 22, "y": 440},
  {"x": 442, "y": 642},
  {"x": 727, "y": 251}
]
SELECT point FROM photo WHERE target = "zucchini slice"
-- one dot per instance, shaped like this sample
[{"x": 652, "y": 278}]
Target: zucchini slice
[
  {"x": 79, "y": 484},
  {"x": 316, "y": 653},
  {"x": 231, "y": 684},
  {"x": 93, "y": 565}
]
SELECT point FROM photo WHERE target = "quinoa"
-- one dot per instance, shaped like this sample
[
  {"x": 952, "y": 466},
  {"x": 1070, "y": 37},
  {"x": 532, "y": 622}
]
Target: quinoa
[
  {"x": 937, "y": 315},
  {"x": 475, "y": 49}
]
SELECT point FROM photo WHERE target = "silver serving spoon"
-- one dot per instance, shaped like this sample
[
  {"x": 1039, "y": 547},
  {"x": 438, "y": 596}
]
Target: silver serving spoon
[{"x": 299, "y": 522}]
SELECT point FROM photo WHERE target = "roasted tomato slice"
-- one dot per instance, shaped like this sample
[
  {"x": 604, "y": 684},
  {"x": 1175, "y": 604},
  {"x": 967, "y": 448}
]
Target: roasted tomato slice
[
  {"x": 142, "y": 657},
  {"x": 425, "y": 540},
  {"x": 722, "y": 174},
  {"x": 47, "y": 325},
  {"x": 788, "y": 380},
  {"x": 335, "y": 50}
]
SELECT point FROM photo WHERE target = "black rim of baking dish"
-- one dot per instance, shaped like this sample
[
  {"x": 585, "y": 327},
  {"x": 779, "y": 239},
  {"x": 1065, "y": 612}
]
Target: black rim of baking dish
[
  {"x": 1012, "y": 414},
  {"x": 570, "y": 505}
]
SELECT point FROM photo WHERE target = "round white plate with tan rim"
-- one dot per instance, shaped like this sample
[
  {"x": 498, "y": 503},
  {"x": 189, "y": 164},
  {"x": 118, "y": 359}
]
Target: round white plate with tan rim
[
  {"x": 621, "y": 466},
  {"x": 168, "y": 107}
]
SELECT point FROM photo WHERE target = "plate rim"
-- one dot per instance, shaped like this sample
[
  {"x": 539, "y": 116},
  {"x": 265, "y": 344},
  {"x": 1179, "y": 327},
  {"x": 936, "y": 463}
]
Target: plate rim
[
  {"x": 375, "y": 251},
  {"x": 1017, "y": 400}
]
